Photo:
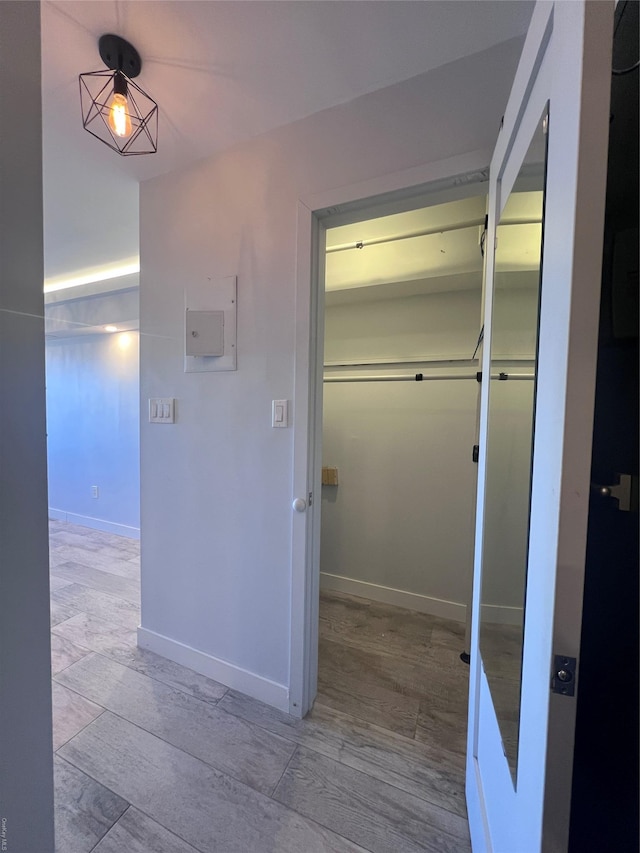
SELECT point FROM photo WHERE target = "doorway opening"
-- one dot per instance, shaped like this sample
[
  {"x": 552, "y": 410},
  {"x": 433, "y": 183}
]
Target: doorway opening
[
  {"x": 93, "y": 403},
  {"x": 93, "y": 413},
  {"x": 401, "y": 301}
]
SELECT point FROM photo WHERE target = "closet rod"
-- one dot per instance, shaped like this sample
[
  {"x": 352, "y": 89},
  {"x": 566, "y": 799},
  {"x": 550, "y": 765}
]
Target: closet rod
[
  {"x": 421, "y": 377},
  {"x": 426, "y": 232}
]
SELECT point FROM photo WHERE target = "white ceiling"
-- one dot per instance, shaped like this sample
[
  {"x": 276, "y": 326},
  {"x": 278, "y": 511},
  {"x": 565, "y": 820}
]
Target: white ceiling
[
  {"x": 393, "y": 256},
  {"x": 442, "y": 259},
  {"x": 223, "y": 72}
]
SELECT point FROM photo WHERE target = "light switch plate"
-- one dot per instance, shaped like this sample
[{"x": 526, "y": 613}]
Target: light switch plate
[
  {"x": 162, "y": 410},
  {"x": 280, "y": 413}
]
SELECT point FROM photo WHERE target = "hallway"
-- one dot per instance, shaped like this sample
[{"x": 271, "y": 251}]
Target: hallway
[{"x": 151, "y": 757}]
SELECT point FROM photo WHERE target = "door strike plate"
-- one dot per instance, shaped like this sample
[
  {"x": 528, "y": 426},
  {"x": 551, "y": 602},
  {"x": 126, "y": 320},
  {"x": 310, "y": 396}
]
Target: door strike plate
[{"x": 563, "y": 680}]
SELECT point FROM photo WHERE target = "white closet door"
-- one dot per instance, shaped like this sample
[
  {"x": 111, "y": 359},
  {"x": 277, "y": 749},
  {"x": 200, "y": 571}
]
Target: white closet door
[{"x": 520, "y": 756}]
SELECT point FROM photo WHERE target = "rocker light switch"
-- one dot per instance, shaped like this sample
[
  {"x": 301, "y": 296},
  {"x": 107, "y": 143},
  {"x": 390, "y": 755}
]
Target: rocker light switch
[
  {"x": 162, "y": 410},
  {"x": 280, "y": 413}
]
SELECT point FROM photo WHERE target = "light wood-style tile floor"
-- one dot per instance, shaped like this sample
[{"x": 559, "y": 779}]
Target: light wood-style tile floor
[{"x": 151, "y": 757}]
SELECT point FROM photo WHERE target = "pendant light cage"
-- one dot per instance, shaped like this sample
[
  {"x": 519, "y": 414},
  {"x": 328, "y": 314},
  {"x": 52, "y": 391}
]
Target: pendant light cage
[{"x": 96, "y": 91}]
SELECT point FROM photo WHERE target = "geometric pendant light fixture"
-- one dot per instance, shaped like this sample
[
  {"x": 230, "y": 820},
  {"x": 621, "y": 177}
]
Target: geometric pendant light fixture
[{"x": 115, "y": 109}]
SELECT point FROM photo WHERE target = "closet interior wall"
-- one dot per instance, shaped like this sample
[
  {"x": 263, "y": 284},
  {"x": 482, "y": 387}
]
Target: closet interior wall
[{"x": 398, "y": 527}]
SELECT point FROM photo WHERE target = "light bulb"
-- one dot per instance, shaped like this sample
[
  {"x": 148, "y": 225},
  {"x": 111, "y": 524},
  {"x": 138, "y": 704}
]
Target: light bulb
[{"x": 119, "y": 118}]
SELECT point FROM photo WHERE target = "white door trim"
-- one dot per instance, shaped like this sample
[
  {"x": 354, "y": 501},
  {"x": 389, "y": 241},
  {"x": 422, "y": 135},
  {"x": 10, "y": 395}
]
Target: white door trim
[{"x": 461, "y": 170}]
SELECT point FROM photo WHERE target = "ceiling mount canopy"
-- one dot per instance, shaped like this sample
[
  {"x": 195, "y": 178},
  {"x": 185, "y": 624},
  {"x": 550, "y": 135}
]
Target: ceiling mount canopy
[
  {"x": 115, "y": 109},
  {"x": 119, "y": 55}
]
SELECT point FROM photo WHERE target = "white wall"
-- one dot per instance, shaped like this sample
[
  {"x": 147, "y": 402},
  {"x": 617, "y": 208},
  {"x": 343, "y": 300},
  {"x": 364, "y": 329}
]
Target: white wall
[
  {"x": 399, "y": 526},
  {"x": 26, "y": 773},
  {"x": 436, "y": 325},
  {"x": 93, "y": 414},
  {"x": 216, "y": 486}
]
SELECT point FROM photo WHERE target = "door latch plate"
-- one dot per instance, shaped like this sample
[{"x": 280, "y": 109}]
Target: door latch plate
[{"x": 563, "y": 680}]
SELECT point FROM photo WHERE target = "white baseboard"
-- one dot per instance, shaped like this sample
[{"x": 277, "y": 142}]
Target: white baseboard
[
  {"x": 398, "y": 597},
  {"x": 500, "y": 614},
  {"x": 226, "y": 673},
  {"x": 95, "y": 523}
]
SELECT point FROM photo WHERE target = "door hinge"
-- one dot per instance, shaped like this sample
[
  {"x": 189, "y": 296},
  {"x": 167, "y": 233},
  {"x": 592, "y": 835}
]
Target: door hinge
[
  {"x": 475, "y": 455},
  {"x": 563, "y": 680}
]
